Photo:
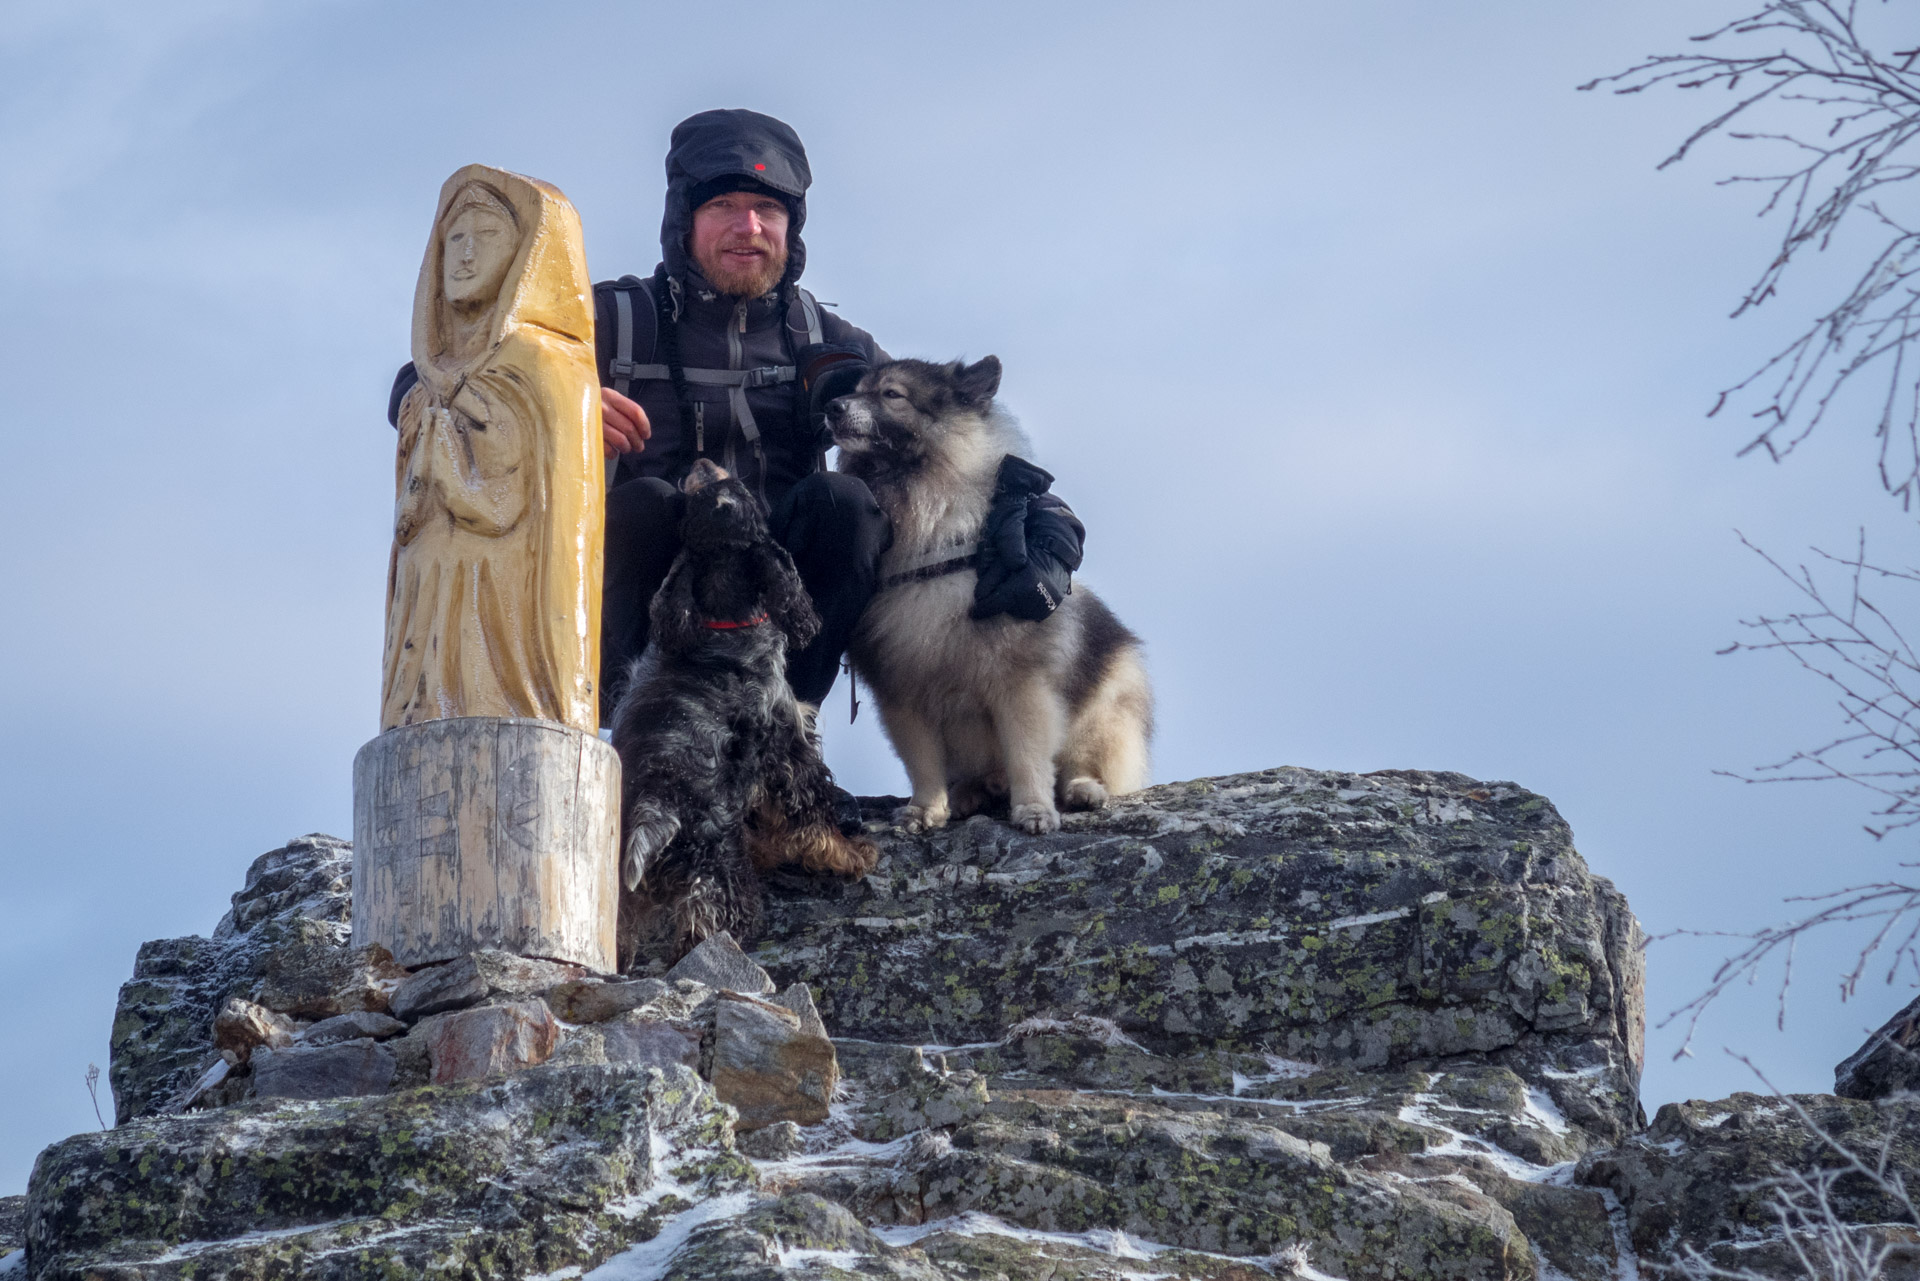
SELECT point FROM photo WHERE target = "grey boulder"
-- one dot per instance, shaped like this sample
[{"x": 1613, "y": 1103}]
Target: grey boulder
[
  {"x": 719, "y": 963},
  {"x": 473, "y": 978},
  {"x": 1888, "y": 1064},
  {"x": 163, "y": 1024},
  {"x": 1704, "y": 1177},
  {"x": 349, "y": 1027},
  {"x": 1367, "y": 920},
  {"x": 768, "y": 1065},
  {"x": 342, "y": 1069},
  {"x": 511, "y": 1178}
]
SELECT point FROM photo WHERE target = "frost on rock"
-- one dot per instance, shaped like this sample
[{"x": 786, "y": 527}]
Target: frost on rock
[
  {"x": 296, "y": 896},
  {"x": 1371, "y": 921},
  {"x": 504, "y": 1178},
  {"x": 1282, "y": 1024}
]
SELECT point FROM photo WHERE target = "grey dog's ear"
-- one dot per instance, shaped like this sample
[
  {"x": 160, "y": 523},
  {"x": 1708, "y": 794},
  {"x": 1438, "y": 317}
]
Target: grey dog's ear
[{"x": 977, "y": 382}]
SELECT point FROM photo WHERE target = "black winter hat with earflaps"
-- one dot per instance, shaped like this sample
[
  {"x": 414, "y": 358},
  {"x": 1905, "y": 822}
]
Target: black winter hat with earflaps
[{"x": 732, "y": 149}]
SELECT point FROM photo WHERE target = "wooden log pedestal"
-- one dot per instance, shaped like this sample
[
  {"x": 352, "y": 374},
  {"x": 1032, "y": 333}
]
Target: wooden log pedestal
[{"x": 487, "y": 832}]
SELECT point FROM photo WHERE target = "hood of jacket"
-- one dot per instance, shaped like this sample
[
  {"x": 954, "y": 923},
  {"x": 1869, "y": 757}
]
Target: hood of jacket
[{"x": 721, "y": 143}]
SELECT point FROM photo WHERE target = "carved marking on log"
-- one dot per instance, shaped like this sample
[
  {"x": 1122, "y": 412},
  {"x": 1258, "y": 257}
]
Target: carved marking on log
[{"x": 487, "y": 832}]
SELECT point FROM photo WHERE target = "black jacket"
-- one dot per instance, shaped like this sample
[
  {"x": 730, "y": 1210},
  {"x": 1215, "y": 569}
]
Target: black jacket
[
  {"x": 710, "y": 326},
  {"x": 715, "y": 331}
]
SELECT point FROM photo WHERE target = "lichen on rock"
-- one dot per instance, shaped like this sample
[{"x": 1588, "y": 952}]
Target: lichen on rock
[
  {"x": 1269, "y": 1025},
  {"x": 295, "y": 897},
  {"x": 1367, "y": 920},
  {"x": 1702, "y": 1176},
  {"x": 503, "y": 1178}
]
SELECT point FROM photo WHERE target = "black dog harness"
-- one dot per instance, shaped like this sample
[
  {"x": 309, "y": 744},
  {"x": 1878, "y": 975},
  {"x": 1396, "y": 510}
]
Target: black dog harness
[{"x": 936, "y": 562}]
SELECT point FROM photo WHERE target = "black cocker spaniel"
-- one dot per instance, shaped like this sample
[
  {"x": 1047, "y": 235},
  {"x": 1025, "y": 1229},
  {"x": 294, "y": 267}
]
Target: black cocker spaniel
[{"x": 721, "y": 770}]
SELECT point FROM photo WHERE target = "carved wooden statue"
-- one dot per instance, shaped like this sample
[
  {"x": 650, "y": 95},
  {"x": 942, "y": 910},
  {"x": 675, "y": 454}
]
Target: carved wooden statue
[
  {"x": 486, "y": 815},
  {"x": 493, "y": 592}
]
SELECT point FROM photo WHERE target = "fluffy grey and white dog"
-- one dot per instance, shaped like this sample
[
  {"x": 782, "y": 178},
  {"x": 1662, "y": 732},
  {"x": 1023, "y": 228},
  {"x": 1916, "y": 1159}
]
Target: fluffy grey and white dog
[
  {"x": 1051, "y": 714},
  {"x": 721, "y": 772}
]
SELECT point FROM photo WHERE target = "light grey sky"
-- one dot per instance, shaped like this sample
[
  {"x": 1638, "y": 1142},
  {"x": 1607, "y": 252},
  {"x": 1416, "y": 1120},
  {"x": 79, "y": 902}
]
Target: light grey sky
[{"x": 1373, "y": 355}]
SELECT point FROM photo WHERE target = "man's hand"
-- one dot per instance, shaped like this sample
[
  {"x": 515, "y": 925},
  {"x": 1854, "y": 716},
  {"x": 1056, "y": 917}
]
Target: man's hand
[{"x": 623, "y": 424}]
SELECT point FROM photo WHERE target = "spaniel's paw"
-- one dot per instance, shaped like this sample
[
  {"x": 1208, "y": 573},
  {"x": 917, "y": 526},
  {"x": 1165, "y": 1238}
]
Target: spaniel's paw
[{"x": 649, "y": 832}]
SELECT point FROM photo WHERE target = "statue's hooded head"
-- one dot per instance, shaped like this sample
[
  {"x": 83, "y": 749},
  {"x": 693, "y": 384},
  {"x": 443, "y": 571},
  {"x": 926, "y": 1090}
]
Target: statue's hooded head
[{"x": 497, "y": 254}]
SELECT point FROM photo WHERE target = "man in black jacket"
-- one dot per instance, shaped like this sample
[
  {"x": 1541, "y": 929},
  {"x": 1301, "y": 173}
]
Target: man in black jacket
[
  {"x": 721, "y": 355},
  {"x": 725, "y": 300}
]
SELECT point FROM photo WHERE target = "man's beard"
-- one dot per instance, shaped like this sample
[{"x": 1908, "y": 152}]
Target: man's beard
[{"x": 748, "y": 282}]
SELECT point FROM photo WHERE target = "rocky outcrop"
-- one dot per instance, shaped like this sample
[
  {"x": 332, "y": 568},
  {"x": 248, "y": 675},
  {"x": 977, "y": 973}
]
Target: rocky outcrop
[
  {"x": 1071, "y": 1130},
  {"x": 1707, "y": 1178},
  {"x": 1888, "y": 1064},
  {"x": 295, "y": 904},
  {"x": 1368, "y": 921},
  {"x": 513, "y": 1177},
  {"x": 13, "y": 1224},
  {"x": 1278, "y": 1024}
]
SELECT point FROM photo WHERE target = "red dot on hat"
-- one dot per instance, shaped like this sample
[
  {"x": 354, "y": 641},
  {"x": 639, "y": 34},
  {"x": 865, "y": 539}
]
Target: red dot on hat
[{"x": 759, "y": 166}]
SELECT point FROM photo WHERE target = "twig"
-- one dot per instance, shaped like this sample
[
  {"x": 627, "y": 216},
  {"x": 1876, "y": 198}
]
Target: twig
[
  {"x": 1850, "y": 124},
  {"x": 1847, "y": 636},
  {"x": 93, "y": 1092}
]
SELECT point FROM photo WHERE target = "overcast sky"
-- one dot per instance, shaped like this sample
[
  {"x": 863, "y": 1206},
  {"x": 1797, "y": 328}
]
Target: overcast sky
[{"x": 1372, "y": 354}]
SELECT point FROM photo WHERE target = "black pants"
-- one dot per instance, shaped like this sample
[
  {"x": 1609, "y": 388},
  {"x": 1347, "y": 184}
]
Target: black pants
[{"x": 828, "y": 523}]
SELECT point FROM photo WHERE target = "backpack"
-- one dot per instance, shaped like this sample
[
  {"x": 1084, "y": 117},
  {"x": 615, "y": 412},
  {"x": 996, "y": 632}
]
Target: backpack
[{"x": 636, "y": 330}]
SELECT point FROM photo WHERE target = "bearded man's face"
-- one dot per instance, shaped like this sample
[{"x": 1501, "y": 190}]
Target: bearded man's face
[{"x": 739, "y": 242}]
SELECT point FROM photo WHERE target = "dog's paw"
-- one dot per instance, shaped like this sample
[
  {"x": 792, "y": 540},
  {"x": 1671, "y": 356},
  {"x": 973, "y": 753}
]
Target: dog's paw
[
  {"x": 649, "y": 832},
  {"x": 915, "y": 819},
  {"x": 1036, "y": 817},
  {"x": 1084, "y": 794},
  {"x": 852, "y": 857}
]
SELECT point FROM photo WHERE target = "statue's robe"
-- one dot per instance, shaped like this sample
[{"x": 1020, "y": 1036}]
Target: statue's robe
[{"x": 493, "y": 589}]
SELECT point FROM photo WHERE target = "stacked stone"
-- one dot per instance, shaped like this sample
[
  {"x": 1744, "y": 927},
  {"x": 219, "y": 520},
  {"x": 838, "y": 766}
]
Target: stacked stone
[{"x": 304, "y": 1016}]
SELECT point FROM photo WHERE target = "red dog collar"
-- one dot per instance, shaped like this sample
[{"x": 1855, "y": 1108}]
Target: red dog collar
[{"x": 725, "y": 625}]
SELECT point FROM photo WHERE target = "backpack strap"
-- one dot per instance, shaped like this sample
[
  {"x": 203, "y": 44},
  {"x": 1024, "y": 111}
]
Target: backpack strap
[
  {"x": 636, "y": 330},
  {"x": 633, "y": 306},
  {"x": 803, "y": 318},
  {"x": 632, "y": 318},
  {"x": 934, "y": 562}
]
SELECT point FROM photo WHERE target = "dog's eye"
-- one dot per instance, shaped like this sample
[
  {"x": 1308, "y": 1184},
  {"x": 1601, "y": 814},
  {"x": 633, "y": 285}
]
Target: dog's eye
[{"x": 891, "y": 394}]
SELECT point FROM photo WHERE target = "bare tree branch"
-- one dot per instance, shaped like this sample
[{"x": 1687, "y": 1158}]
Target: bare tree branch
[
  {"x": 1856, "y": 648},
  {"x": 1846, "y": 635},
  {"x": 1853, "y": 117}
]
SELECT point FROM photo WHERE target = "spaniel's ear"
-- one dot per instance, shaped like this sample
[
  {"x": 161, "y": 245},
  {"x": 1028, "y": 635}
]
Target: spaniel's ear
[
  {"x": 672, "y": 615},
  {"x": 783, "y": 595}
]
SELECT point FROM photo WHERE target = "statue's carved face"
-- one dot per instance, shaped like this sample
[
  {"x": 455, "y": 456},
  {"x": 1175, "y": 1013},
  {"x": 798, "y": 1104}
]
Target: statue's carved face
[{"x": 475, "y": 255}]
